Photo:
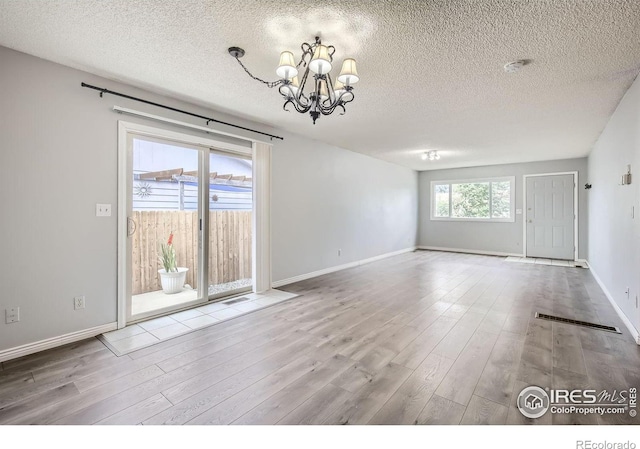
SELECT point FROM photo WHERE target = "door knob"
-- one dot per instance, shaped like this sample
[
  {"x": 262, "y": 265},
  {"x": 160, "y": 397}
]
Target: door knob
[{"x": 530, "y": 221}]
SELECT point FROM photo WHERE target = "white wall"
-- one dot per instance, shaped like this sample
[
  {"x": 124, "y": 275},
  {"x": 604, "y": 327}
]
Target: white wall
[
  {"x": 614, "y": 237},
  {"x": 495, "y": 237},
  {"x": 56, "y": 136}
]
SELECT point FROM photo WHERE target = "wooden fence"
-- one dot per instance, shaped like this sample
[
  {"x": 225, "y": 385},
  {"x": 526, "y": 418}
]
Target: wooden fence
[{"x": 229, "y": 248}]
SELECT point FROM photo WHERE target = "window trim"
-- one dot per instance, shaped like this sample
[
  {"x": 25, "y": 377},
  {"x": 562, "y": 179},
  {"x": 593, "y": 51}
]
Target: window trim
[{"x": 512, "y": 181}]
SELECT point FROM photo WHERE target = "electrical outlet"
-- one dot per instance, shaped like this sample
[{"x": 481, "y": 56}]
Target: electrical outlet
[
  {"x": 12, "y": 315},
  {"x": 78, "y": 302},
  {"x": 103, "y": 210}
]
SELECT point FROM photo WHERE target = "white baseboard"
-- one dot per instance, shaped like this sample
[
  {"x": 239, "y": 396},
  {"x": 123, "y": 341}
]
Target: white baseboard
[
  {"x": 30, "y": 348},
  {"x": 469, "y": 251},
  {"x": 632, "y": 330},
  {"x": 583, "y": 262},
  {"x": 357, "y": 263}
]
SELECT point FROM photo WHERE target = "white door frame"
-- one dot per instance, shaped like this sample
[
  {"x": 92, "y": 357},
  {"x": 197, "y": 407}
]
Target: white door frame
[
  {"x": 575, "y": 209},
  {"x": 261, "y": 245}
]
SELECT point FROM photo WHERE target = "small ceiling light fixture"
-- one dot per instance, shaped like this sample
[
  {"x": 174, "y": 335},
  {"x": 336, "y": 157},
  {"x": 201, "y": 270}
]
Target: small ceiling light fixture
[
  {"x": 322, "y": 96},
  {"x": 516, "y": 66},
  {"x": 431, "y": 155}
]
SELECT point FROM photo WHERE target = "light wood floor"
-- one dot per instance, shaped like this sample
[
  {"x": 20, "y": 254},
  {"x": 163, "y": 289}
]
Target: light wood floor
[{"x": 421, "y": 338}]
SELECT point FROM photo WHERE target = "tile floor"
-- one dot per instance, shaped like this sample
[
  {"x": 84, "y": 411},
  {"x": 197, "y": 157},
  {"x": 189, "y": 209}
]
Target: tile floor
[
  {"x": 147, "y": 333},
  {"x": 553, "y": 262}
]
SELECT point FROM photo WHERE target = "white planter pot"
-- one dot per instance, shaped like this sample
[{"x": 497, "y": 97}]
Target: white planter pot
[{"x": 173, "y": 282}]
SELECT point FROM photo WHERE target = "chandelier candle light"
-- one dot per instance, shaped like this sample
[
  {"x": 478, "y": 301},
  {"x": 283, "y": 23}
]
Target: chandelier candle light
[{"x": 322, "y": 96}]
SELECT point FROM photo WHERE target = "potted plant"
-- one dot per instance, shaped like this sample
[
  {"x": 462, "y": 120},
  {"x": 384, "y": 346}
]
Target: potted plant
[{"x": 172, "y": 277}]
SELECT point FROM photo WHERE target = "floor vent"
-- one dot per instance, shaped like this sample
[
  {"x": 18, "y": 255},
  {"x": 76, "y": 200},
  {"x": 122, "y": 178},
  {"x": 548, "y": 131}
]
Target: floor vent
[
  {"x": 559, "y": 319},
  {"x": 236, "y": 300}
]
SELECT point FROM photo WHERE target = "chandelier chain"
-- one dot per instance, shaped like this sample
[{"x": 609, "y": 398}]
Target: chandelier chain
[{"x": 269, "y": 84}]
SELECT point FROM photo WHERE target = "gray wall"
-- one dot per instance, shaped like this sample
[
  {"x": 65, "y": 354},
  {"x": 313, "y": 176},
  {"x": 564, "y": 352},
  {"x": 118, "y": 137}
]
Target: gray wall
[
  {"x": 331, "y": 199},
  {"x": 58, "y": 158},
  {"x": 614, "y": 239},
  {"x": 494, "y": 237}
]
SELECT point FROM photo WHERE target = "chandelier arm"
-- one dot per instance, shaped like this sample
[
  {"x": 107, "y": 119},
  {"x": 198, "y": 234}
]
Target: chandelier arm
[
  {"x": 331, "y": 92},
  {"x": 284, "y": 88},
  {"x": 269, "y": 84},
  {"x": 303, "y": 83},
  {"x": 307, "y": 50},
  {"x": 331, "y": 110},
  {"x": 328, "y": 109},
  {"x": 302, "y": 99},
  {"x": 287, "y": 92},
  {"x": 340, "y": 103},
  {"x": 296, "y": 106},
  {"x": 345, "y": 97},
  {"x": 349, "y": 100},
  {"x": 331, "y": 50}
]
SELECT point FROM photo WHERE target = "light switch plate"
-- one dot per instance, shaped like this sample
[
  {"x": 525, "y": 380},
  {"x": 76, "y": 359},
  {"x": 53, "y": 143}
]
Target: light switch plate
[
  {"x": 12, "y": 315},
  {"x": 103, "y": 210}
]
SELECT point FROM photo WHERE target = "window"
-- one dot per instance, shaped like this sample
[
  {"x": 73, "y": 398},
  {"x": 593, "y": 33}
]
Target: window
[{"x": 490, "y": 199}]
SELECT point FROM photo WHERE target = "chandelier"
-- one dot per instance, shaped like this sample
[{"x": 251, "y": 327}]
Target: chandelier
[{"x": 322, "y": 95}]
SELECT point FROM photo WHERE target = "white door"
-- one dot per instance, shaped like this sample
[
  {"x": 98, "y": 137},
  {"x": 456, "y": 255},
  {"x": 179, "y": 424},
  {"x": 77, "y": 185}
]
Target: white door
[{"x": 550, "y": 216}]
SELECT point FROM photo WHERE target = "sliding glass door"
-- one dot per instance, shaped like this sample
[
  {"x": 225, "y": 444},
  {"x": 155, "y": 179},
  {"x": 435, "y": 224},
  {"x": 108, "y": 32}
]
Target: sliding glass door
[
  {"x": 189, "y": 225},
  {"x": 164, "y": 220},
  {"x": 230, "y": 223}
]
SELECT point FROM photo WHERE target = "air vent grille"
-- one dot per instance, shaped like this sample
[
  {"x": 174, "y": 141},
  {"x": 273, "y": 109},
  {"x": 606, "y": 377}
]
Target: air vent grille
[
  {"x": 236, "y": 300},
  {"x": 559, "y": 319}
]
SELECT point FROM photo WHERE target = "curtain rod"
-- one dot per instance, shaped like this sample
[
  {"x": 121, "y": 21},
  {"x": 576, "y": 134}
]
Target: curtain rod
[{"x": 208, "y": 119}]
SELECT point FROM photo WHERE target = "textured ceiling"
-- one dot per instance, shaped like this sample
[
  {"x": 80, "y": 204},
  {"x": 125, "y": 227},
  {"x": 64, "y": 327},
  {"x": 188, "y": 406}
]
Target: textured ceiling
[{"x": 431, "y": 71}]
